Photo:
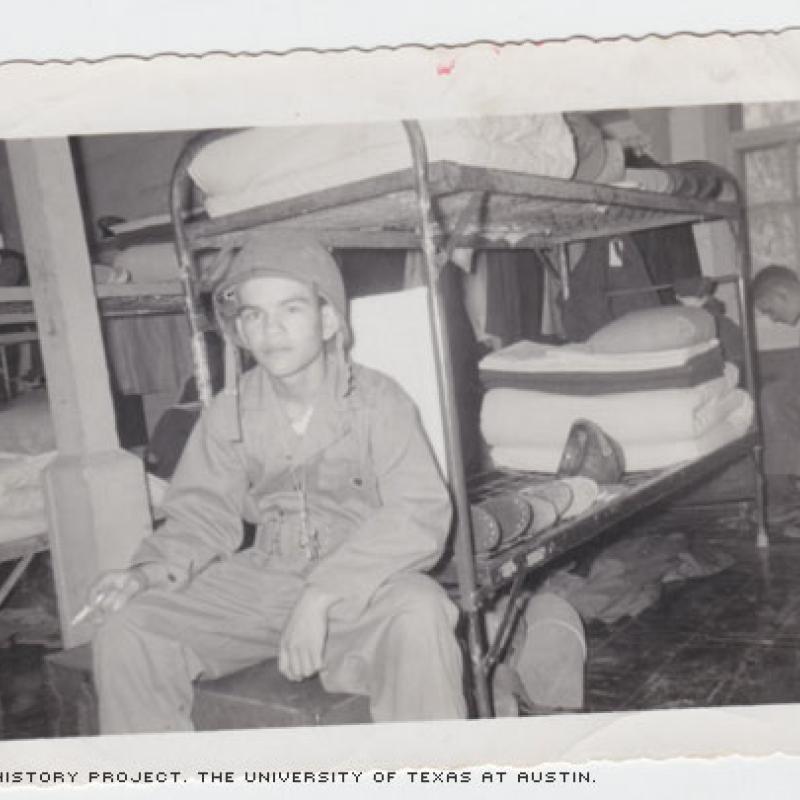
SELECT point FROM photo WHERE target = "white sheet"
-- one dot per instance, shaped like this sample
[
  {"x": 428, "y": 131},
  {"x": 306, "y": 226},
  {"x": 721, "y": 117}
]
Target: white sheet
[
  {"x": 22, "y": 509},
  {"x": 22, "y": 500},
  {"x": 531, "y": 357},
  {"x": 638, "y": 456},
  {"x": 26, "y": 425},
  {"x": 521, "y": 417},
  {"x": 263, "y": 165}
]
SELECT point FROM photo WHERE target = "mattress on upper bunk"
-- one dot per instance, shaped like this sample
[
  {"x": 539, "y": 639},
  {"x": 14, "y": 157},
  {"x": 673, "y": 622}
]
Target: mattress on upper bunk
[{"x": 264, "y": 165}]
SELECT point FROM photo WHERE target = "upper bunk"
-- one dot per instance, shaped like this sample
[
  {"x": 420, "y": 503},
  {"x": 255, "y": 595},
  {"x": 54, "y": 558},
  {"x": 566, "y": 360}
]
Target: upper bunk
[
  {"x": 530, "y": 181},
  {"x": 475, "y": 207},
  {"x": 497, "y": 183},
  {"x": 481, "y": 208}
]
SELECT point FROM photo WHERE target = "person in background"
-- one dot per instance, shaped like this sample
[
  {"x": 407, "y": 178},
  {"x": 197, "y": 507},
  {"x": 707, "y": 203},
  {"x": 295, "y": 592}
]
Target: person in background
[{"x": 776, "y": 294}]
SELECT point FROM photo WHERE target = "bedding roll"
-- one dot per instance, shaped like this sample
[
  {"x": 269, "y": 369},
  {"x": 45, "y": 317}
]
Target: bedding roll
[
  {"x": 696, "y": 371},
  {"x": 519, "y": 417},
  {"x": 532, "y": 357}
]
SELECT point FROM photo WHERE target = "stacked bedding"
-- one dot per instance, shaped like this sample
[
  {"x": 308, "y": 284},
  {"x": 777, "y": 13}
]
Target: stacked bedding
[
  {"x": 577, "y": 370},
  {"x": 662, "y": 406}
]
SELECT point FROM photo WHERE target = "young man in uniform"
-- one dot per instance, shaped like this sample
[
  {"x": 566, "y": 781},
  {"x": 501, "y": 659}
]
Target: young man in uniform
[{"x": 329, "y": 461}]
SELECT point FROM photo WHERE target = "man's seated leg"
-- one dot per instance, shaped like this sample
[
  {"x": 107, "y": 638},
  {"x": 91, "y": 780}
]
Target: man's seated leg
[
  {"x": 147, "y": 655},
  {"x": 402, "y": 652},
  {"x": 544, "y": 668},
  {"x": 551, "y": 655}
]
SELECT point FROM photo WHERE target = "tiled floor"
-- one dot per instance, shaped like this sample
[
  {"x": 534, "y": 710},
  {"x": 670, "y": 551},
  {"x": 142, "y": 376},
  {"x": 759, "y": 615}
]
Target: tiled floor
[
  {"x": 729, "y": 639},
  {"x": 733, "y": 638}
]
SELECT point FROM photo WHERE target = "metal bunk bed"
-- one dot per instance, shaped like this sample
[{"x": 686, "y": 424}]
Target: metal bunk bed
[{"x": 436, "y": 207}]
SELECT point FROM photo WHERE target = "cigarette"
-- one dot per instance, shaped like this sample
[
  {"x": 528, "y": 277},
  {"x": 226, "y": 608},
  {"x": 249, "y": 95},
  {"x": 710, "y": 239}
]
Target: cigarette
[
  {"x": 82, "y": 614},
  {"x": 87, "y": 609}
]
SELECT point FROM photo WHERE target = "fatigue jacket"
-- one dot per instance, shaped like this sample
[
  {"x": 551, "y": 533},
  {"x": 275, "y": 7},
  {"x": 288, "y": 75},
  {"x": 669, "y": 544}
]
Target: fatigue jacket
[{"x": 374, "y": 496}]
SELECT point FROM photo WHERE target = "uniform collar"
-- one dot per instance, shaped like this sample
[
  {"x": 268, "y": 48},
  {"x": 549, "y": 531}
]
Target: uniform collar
[{"x": 330, "y": 420}]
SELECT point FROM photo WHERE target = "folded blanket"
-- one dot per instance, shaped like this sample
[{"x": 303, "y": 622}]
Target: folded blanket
[
  {"x": 697, "y": 370},
  {"x": 517, "y": 417},
  {"x": 531, "y": 357},
  {"x": 700, "y": 179},
  {"x": 638, "y": 456}
]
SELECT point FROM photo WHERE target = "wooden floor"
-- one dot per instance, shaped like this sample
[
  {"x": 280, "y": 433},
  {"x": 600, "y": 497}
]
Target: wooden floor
[{"x": 732, "y": 638}]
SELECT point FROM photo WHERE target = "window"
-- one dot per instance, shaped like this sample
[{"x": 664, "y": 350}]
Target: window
[{"x": 767, "y": 145}]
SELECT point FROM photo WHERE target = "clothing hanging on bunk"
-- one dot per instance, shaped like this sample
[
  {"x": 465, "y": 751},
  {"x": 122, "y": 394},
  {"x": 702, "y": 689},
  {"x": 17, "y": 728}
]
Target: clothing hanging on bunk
[
  {"x": 514, "y": 292},
  {"x": 670, "y": 254},
  {"x": 371, "y": 271},
  {"x": 606, "y": 265},
  {"x": 148, "y": 355}
]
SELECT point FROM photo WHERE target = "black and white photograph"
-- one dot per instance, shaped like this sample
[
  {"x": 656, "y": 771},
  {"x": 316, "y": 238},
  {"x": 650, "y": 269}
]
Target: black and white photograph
[{"x": 433, "y": 418}]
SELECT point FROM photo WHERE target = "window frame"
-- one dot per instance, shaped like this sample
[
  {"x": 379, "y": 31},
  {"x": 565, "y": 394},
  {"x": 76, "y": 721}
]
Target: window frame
[{"x": 748, "y": 140}]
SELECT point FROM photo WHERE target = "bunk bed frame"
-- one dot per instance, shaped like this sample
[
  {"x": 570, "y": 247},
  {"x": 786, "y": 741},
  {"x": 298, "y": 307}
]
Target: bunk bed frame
[{"x": 436, "y": 207}]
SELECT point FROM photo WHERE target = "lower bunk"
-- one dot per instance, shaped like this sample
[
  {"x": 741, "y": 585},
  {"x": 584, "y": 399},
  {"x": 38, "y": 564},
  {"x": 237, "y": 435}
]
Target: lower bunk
[{"x": 598, "y": 509}]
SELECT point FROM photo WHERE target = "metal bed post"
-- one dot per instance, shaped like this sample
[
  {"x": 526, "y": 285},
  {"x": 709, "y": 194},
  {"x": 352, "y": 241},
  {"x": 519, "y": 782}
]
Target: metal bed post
[
  {"x": 747, "y": 317},
  {"x": 179, "y": 187},
  {"x": 464, "y": 550}
]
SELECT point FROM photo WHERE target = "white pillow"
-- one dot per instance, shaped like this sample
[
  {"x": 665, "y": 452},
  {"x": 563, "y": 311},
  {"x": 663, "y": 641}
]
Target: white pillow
[{"x": 654, "y": 329}]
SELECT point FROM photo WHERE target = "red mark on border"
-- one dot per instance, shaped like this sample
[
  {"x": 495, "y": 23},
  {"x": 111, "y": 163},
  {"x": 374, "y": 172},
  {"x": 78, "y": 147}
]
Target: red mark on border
[{"x": 446, "y": 68}]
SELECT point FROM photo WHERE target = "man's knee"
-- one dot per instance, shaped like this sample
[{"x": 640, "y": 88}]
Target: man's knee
[
  {"x": 119, "y": 632},
  {"x": 419, "y": 610}
]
